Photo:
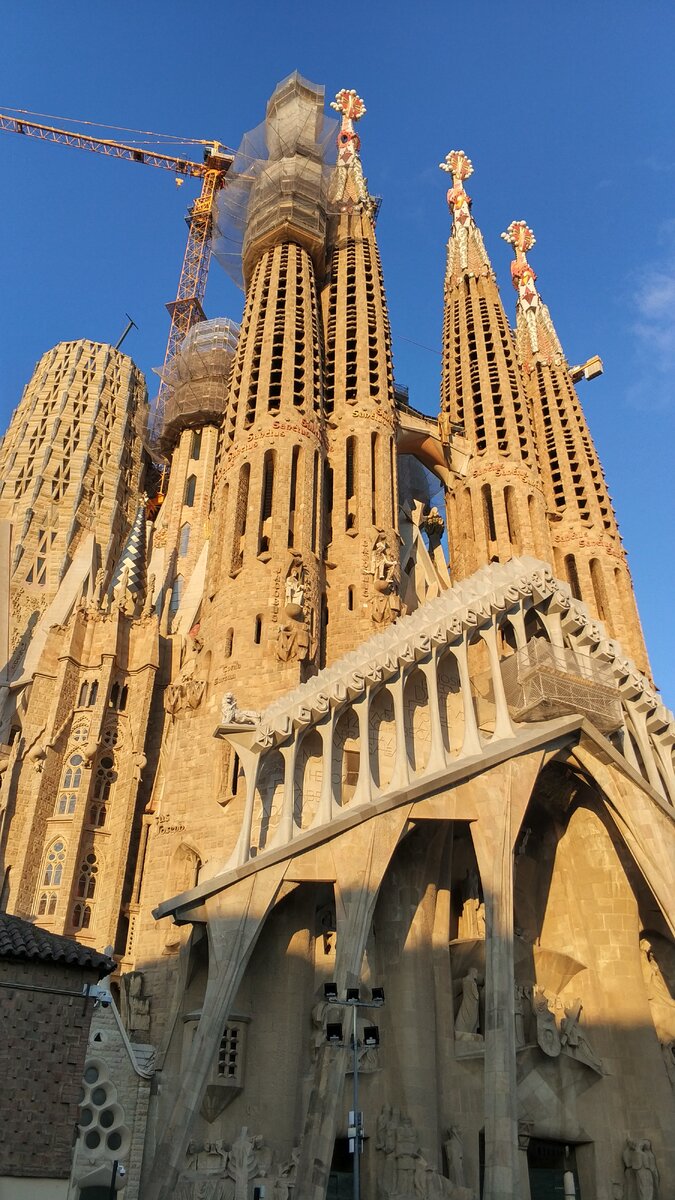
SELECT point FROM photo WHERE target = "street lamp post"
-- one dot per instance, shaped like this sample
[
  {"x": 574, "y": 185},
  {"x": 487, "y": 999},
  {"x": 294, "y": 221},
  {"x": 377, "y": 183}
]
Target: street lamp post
[{"x": 371, "y": 1037}]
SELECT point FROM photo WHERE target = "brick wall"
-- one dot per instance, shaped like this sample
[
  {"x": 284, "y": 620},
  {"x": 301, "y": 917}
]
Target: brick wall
[{"x": 42, "y": 1052}]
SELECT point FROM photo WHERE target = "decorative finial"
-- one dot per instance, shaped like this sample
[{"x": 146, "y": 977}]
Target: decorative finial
[
  {"x": 460, "y": 167},
  {"x": 520, "y": 236},
  {"x": 349, "y": 104},
  {"x": 457, "y": 164}
]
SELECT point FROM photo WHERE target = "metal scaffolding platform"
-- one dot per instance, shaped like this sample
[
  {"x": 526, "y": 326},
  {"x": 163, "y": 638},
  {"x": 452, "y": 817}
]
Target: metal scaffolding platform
[{"x": 542, "y": 681}]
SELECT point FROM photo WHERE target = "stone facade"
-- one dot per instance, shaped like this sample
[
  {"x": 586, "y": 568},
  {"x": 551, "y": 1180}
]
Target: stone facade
[{"x": 284, "y": 743}]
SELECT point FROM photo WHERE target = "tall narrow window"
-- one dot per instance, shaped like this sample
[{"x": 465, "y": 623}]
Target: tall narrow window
[
  {"x": 257, "y": 630},
  {"x": 50, "y": 878},
  {"x": 229, "y": 638},
  {"x": 190, "y": 487},
  {"x": 265, "y": 530},
  {"x": 184, "y": 540},
  {"x": 373, "y": 477},
  {"x": 511, "y": 517},
  {"x": 196, "y": 446},
  {"x": 328, "y": 502},
  {"x": 599, "y": 590},
  {"x": 350, "y": 484},
  {"x": 315, "y": 498},
  {"x": 573, "y": 576},
  {"x": 240, "y": 518},
  {"x": 176, "y": 595},
  {"x": 293, "y": 496},
  {"x": 488, "y": 513},
  {"x": 350, "y": 599},
  {"x": 392, "y": 479},
  {"x": 93, "y": 693}
]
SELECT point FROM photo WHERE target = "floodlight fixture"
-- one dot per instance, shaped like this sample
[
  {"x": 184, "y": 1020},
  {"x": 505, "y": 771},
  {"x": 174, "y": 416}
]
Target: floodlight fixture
[
  {"x": 334, "y": 1031},
  {"x": 371, "y": 1035},
  {"x": 330, "y": 991},
  {"x": 353, "y": 995}
]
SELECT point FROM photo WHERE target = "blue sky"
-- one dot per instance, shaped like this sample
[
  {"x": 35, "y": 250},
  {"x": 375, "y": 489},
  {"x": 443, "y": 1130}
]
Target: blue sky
[{"x": 565, "y": 110}]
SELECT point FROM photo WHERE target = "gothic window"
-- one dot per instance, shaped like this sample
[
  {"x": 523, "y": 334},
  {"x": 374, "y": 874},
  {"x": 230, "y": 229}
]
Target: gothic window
[
  {"x": 82, "y": 700},
  {"x": 98, "y": 812},
  {"x": 190, "y": 487},
  {"x": 293, "y": 496},
  {"x": 488, "y": 513},
  {"x": 54, "y": 861},
  {"x": 93, "y": 693},
  {"x": 65, "y": 804},
  {"x": 266, "y": 503},
  {"x": 196, "y": 447},
  {"x": 81, "y": 918},
  {"x": 47, "y": 904},
  {"x": 86, "y": 883},
  {"x": 73, "y": 773},
  {"x": 184, "y": 540},
  {"x": 240, "y": 519},
  {"x": 573, "y": 576},
  {"x": 105, "y": 777}
]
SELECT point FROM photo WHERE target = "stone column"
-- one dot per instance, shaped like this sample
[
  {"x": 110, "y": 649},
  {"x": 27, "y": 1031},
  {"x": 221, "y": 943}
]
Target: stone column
[{"x": 502, "y": 796}]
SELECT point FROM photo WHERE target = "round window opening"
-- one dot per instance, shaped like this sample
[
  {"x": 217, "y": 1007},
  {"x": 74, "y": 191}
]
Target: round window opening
[
  {"x": 107, "y": 1118},
  {"x": 86, "y": 1117},
  {"x": 91, "y": 1075},
  {"x": 92, "y": 1140},
  {"x": 99, "y": 1095},
  {"x": 114, "y": 1140}
]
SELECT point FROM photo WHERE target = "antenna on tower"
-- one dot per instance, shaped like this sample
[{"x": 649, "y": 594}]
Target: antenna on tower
[{"x": 130, "y": 324}]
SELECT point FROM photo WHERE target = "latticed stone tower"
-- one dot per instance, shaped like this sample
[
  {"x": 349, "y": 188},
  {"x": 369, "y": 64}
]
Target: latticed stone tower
[
  {"x": 361, "y": 498},
  {"x": 70, "y": 465},
  {"x": 499, "y": 511},
  {"x": 265, "y": 578},
  {"x": 587, "y": 547}
]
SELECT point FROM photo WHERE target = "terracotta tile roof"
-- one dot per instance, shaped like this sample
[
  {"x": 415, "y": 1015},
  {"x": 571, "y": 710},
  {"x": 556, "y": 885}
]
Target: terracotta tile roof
[{"x": 23, "y": 940}]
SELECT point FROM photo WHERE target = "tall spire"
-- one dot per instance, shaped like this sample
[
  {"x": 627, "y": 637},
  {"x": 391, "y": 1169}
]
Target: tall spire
[
  {"x": 535, "y": 334},
  {"x": 499, "y": 510},
  {"x": 364, "y": 547},
  {"x": 587, "y": 546},
  {"x": 128, "y": 583}
]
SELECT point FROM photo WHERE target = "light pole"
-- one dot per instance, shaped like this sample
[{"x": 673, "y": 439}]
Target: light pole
[{"x": 371, "y": 1037}]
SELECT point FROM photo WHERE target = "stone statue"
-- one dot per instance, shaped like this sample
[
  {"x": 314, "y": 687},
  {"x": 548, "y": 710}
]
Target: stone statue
[
  {"x": 520, "y": 1006},
  {"x": 149, "y": 605},
  {"x": 294, "y": 588},
  {"x": 187, "y": 689},
  {"x": 641, "y": 1174},
  {"x": 135, "y": 1006},
  {"x": 292, "y": 641},
  {"x": 454, "y": 1155},
  {"x": 231, "y": 715},
  {"x": 472, "y": 919},
  {"x": 244, "y": 1162},
  {"x": 285, "y": 1184},
  {"x": 573, "y": 1039},
  {"x": 406, "y": 1153},
  {"x": 548, "y": 1036},
  {"x": 466, "y": 1021}
]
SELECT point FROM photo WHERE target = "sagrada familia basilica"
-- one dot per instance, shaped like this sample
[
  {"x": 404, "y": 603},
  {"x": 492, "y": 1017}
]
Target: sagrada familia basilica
[{"x": 310, "y": 776}]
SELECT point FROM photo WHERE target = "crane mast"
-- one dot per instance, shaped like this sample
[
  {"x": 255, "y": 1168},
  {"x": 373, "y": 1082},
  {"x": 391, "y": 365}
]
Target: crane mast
[{"x": 187, "y": 308}]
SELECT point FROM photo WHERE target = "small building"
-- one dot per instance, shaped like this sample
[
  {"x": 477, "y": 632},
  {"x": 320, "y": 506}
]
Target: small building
[{"x": 47, "y": 1000}]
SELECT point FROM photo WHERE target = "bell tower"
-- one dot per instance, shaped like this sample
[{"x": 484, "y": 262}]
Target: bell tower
[
  {"x": 265, "y": 574},
  {"x": 499, "y": 510},
  {"x": 587, "y": 546},
  {"x": 361, "y": 502}
]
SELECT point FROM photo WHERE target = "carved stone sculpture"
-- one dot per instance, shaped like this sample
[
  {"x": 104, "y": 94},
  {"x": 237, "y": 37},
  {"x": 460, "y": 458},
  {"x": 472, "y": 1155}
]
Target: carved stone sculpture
[
  {"x": 135, "y": 1006},
  {"x": 573, "y": 1039},
  {"x": 231, "y": 715},
  {"x": 641, "y": 1176},
  {"x": 548, "y": 1036},
  {"x": 247, "y": 1159},
  {"x": 472, "y": 919},
  {"x": 454, "y": 1155},
  {"x": 149, "y": 604},
  {"x": 385, "y": 604},
  {"x": 466, "y": 1021}
]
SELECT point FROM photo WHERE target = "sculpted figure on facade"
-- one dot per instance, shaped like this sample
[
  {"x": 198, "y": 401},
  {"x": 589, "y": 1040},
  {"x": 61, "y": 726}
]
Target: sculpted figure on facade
[
  {"x": 284, "y": 1188},
  {"x": 185, "y": 693},
  {"x": 472, "y": 919},
  {"x": 641, "y": 1176},
  {"x": 135, "y": 1005},
  {"x": 548, "y": 1036},
  {"x": 293, "y": 640},
  {"x": 247, "y": 1160},
  {"x": 467, "y": 1019},
  {"x": 454, "y": 1155},
  {"x": 573, "y": 1039},
  {"x": 385, "y": 603},
  {"x": 230, "y": 714}
]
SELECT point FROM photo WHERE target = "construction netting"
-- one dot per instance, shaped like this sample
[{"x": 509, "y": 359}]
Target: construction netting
[
  {"x": 280, "y": 177},
  {"x": 542, "y": 681},
  {"x": 197, "y": 378}
]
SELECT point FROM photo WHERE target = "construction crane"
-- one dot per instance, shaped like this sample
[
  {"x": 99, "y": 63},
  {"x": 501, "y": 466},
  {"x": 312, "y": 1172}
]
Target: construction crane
[{"x": 187, "y": 309}]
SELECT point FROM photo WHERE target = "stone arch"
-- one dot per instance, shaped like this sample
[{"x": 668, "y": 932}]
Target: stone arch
[
  {"x": 269, "y": 795},
  {"x": 416, "y": 719},
  {"x": 184, "y": 868},
  {"x": 308, "y": 779},
  {"x": 347, "y": 757},
  {"x": 451, "y": 703},
  {"x": 382, "y": 738}
]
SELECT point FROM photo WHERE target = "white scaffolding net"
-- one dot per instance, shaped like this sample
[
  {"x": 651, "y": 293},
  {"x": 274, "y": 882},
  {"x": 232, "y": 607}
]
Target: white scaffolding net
[
  {"x": 542, "y": 681},
  {"x": 279, "y": 178},
  {"x": 197, "y": 378}
]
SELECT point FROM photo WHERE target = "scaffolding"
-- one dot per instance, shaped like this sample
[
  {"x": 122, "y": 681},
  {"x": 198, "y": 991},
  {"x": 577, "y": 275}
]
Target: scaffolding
[
  {"x": 542, "y": 681},
  {"x": 197, "y": 379}
]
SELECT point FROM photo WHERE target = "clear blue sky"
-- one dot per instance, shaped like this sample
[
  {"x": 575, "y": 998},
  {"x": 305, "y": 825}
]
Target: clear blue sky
[{"x": 566, "y": 111}]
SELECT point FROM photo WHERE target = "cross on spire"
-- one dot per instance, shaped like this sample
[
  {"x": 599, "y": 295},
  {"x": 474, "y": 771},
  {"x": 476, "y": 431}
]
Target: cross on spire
[{"x": 521, "y": 237}]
